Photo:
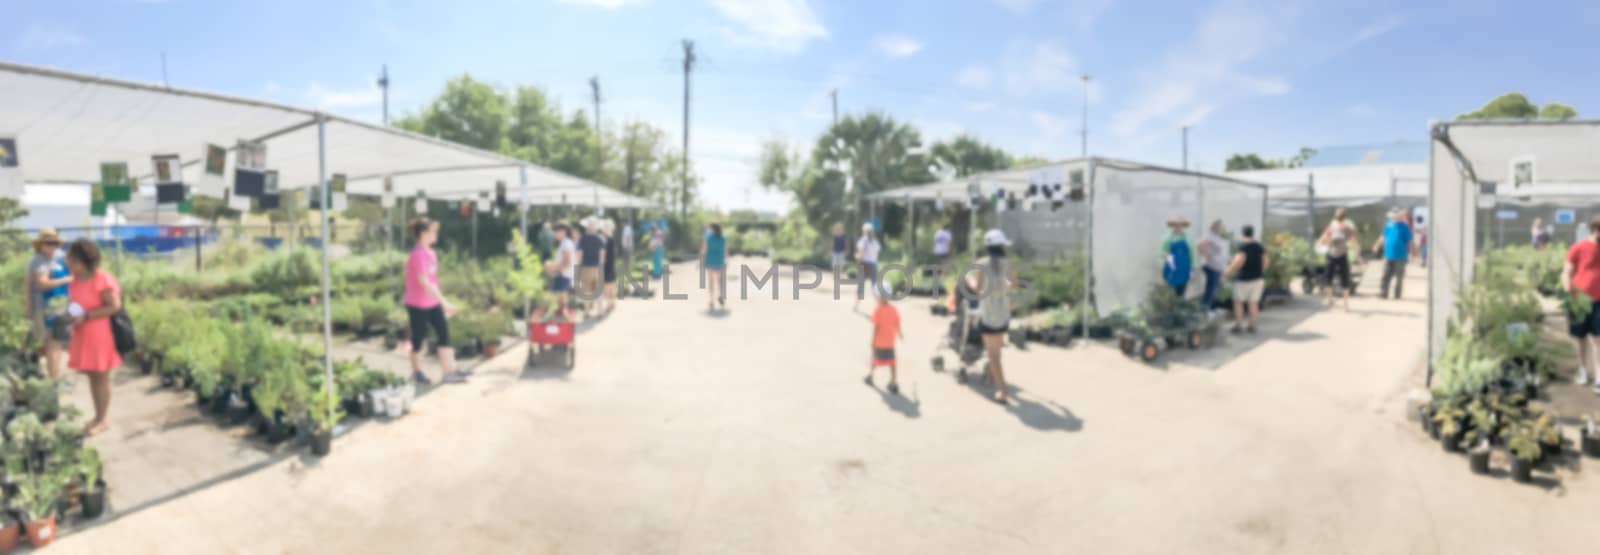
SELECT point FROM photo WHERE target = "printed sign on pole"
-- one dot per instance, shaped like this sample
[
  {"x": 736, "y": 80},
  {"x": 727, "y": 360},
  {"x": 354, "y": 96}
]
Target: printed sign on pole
[
  {"x": 168, "y": 170},
  {"x": 387, "y": 198},
  {"x": 270, "y": 182},
  {"x": 114, "y": 182},
  {"x": 1506, "y": 214},
  {"x": 1566, "y": 216},
  {"x": 250, "y": 155},
  {"x": 483, "y": 202}
]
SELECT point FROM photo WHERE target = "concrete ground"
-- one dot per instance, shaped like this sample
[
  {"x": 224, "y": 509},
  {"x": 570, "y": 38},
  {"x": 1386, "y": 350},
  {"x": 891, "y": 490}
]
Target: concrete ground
[{"x": 750, "y": 431}]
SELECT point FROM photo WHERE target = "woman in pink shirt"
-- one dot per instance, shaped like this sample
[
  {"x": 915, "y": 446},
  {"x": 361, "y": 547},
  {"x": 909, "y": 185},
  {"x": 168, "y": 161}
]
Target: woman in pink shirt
[
  {"x": 95, "y": 296},
  {"x": 425, "y": 304}
]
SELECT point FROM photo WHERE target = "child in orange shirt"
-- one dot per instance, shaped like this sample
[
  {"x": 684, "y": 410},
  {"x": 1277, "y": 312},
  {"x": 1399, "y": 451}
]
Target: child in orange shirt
[{"x": 885, "y": 327}]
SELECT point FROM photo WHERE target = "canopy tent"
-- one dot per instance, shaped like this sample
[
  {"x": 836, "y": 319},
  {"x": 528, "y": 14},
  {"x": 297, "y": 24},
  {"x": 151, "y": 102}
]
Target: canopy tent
[
  {"x": 66, "y": 124},
  {"x": 1476, "y": 166},
  {"x": 1303, "y": 189},
  {"x": 564, "y": 195},
  {"x": 1128, "y": 204}
]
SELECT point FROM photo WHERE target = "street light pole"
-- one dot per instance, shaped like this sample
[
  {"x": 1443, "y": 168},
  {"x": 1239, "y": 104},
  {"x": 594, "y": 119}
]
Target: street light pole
[
  {"x": 1085, "y": 78},
  {"x": 1186, "y": 148}
]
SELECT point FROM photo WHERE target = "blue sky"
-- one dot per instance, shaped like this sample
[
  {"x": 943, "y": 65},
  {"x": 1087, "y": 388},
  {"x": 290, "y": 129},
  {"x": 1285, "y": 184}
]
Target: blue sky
[{"x": 1247, "y": 75}]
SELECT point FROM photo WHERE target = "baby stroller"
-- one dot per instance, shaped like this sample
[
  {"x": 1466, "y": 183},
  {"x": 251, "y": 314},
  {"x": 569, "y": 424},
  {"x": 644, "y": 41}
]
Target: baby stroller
[{"x": 963, "y": 338}]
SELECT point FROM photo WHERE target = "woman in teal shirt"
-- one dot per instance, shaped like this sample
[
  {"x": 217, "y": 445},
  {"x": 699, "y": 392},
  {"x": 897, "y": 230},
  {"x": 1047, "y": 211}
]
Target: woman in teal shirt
[{"x": 714, "y": 264}]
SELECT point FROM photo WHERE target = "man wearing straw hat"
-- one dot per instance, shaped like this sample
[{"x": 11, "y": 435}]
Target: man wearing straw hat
[
  {"x": 1179, "y": 264},
  {"x": 47, "y": 278}
]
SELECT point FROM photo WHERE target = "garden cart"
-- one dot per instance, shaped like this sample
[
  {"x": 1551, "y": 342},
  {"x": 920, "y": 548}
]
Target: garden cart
[
  {"x": 963, "y": 338},
  {"x": 1165, "y": 322},
  {"x": 555, "y": 333},
  {"x": 1315, "y": 279}
]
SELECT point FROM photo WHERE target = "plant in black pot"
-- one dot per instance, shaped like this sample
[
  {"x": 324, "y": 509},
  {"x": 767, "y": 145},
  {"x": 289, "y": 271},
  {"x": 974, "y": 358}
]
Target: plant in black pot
[
  {"x": 1524, "y": 447},
  {"x": 325, "y": 414},
  {"x": 1478, "y": 456},
  {"x": 1549, "y": 435},
  {"x": 1591, "y": 435},
  {"x": 1451, "y": 420},
  {"x": 93, "y": 496}
]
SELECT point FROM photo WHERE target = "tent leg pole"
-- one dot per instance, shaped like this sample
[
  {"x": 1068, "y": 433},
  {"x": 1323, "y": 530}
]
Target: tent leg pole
[
  {"x": 327, "y": 295},
  {"x": 522, "y": 223}
]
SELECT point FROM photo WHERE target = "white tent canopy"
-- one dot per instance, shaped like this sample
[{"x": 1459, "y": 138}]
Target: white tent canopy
[
  {"x": 955, "y": 188},
  {"x": 1472, "y": 167},
  {"x": 66, "y": 124},
  {"x": 1298, "y": 190}
]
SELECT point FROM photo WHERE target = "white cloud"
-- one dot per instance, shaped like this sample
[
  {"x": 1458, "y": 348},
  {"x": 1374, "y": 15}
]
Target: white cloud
[
  {"x": 1085, "y": 13},
  {"x": 1039, "y": 68},
  {"x": 898, "y": 46},
  {"x": 47, "y": 36},
  {"x": 976, "y": 77},
  {"x": 1201, "y": 74},
  {"x": 782, "y": 25},
  {"x": 336, "y": 99},
  {"x": 606, "y": 4},
  {"x": 1376, "y": 29},
  {"x": 1017, "y": 6},
  {"x": 1361, "y": 111}
]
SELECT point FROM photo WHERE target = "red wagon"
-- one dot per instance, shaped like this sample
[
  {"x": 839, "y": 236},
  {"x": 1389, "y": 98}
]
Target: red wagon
[{"x": 553, "y": 334}]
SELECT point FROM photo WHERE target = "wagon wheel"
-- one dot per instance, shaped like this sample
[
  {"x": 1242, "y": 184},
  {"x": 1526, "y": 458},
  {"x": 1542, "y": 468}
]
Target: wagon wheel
[
  {"x": 938, "y": 363},
  {"x": 528, "y": 363},
  {"x": 1149, "y": 350},
  {"x": 1194, "y": 340},
  {"x": 1308, "y": 286},
  {"x": 572, "y": 355},
  {"x": 1126, "y": 343}
]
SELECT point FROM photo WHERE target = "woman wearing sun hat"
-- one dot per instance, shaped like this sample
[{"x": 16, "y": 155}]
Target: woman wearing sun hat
[
  {"x": 47, "y": 277},
  {"x": 1175, "y": 249},
  {"x": 993, "y": 279}
]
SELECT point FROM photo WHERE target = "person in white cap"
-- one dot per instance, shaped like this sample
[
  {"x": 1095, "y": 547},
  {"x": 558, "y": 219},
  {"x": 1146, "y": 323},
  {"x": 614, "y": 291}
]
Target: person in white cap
[
  {"x": 993, "y": 283},
  {"x": 867, "y": 254}
]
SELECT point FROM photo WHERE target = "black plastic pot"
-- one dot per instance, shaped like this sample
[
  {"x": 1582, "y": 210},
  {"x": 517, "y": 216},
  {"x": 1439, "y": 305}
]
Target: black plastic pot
[
  {"x": 1479, "y": 460},
  {"x": 1521, "y": 470},
  {"x": 220, "y": 402},
  {"x": 94, "y": 503},
  {"x": 322, "y": 443},
  {"x": 1591, "y": 445},
  {"x": 1425, "y": 418},
  {"x": 1451, "y": 443}
]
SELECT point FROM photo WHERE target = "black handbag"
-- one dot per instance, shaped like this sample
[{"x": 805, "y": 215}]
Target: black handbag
[{"x": 122, "y": 332}]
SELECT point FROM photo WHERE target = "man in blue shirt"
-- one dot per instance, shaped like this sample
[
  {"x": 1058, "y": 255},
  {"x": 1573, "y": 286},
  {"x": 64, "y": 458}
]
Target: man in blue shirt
[
  {"x": 1179, "y": 263},
  {"x": 1395, "y": 244}
]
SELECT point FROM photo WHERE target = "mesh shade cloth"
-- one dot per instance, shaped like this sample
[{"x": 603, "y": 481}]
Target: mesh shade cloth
[{"x": 1131, "y": 205}]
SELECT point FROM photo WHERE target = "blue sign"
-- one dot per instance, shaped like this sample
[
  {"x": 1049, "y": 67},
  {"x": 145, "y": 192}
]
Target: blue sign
[{"x": 1565, "y": 216}]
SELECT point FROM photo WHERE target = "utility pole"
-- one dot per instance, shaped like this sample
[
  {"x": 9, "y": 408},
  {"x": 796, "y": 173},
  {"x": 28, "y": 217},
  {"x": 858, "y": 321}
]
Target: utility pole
[
  {"x": 164, "y": 80},
  {"x": 383, "y": 83},
  {"x": 1186, "y": 148},
  {"x": 835, "y": 95},
  {"x": 600, "y": 152},
  {"x": 688, "y": 68},
  {"x": 1085, "y": 115}
]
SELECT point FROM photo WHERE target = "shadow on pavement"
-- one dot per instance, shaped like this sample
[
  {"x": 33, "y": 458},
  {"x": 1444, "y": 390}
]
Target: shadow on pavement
[
  {"x": 1042, "y": 414},
  {"x": 908, "y": 407}
]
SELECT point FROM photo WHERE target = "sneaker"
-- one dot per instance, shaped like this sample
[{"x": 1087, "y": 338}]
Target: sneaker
[
  {"x": 895, "y": 388},
  {"x": 867, "y": 380},
  {"x": 1236, "y": 329},
  {"x": 454, "y": 377},
  {"x": 1583, "y": 376},
  {"x": 420, "y": 378},
  {"x": 1251, "y": 329}
]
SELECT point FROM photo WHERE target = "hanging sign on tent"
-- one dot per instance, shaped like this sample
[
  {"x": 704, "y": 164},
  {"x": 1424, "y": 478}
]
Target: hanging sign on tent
[
  {"x": 387, "y": 198},
  {"x": 1419, "y": 216},
  {"x": 10, "y": 169},
  {"x": 250, "y": 155},
  {"x": 97, "y": 208},
  {"x": 114, "y": 180},
  {"x": 170, "y": 193},
  {"x": 268, "y": 202},
  {"x": 335, "y": 194},
  {"x": 239, "y": 203},
  {"x": 1505, "y": 215},
  {"x": 212, "y": 182},
  {"x": 484, "y": 202},
  {"x": 1566, "y": 216},
  {"x": 269, "y": 183},
  {"x": 186, "y": 206},
  {"x": 249, "y": 183},
  {"x": 168, "y": 169}
]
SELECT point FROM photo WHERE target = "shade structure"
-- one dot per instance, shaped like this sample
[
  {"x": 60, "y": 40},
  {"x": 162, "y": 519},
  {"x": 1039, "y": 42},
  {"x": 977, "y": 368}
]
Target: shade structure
[
  {"x": 1477, "y": 166},
  {"x": 1129, "y": 204},
  {"x": 1299, "y": 190},
  {"x": 66, "y": 124}
]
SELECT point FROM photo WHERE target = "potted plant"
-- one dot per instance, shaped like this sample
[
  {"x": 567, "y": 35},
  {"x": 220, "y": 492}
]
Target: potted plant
[
  {"x": 1478, "y": 456},
  {"x": 36, "y": 500},
  {"x": 1591, "y": 435},
  {"x": 1524, "y": 450},
  {"x": 93, "y": 497},
  {"x": 1549, "y": 436},
  {"x": 10, "y": 533},
  {"x": 325, "y": 414},
  {"x": 1451, "y": 422}
]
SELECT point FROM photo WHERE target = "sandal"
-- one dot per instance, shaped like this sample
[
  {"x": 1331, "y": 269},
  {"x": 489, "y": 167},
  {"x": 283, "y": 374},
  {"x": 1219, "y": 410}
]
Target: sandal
[
  {"x": 894, "y": 388},
  {"x": 868, "y": 380}
]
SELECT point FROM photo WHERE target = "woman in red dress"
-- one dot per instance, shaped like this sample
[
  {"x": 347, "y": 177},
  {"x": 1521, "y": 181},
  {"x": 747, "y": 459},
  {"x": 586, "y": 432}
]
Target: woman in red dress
[{"x": 95, "y": 296}]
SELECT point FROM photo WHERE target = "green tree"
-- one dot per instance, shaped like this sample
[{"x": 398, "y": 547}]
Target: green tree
[
  {"x": 644, "y": 164},
  {"x": 1250, "y": 161},
  {"x": 1299, "y": 159},
  {"x": 1028, "y": 161},
  {"x": 1556, "y": 110},
  {"x": 966, "y": 156},
  {"x": 469, "y": 112}
]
